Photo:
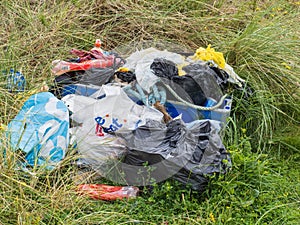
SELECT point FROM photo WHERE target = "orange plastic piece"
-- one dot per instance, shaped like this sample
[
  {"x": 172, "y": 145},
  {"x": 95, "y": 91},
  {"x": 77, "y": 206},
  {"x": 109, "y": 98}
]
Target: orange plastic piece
[{"x": 107, "y": 192}]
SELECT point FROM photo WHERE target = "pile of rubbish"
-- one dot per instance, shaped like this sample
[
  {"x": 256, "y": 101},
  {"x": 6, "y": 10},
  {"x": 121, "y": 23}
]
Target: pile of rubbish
[{"x": 152, "y": 116}]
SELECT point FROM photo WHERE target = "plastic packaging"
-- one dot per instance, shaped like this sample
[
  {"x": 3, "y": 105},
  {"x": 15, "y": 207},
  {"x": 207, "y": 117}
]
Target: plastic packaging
[
  {"x": 187, "y": 152},
  {"x": 233, "y": 77},
  {"x": 40, "y": 130},
  {"x": 101, "y": 115},
  {"x": 61, "y": 66},
  {"x": 15, "y": 81},
  {"x": 107, "y": 192},
  {"x": 209, "y": 54},
  {"x": 140, "y": 62},
  {"x": 19, "y": 82}
]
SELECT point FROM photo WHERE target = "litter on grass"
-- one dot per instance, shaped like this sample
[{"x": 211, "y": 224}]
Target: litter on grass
[{"x": 151, "y": 116}]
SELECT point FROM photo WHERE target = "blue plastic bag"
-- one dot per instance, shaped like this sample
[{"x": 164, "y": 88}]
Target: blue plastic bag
[{"x": 41, "y": 130}]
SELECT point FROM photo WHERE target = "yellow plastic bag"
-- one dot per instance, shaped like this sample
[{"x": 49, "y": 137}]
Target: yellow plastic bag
[{"x": 210, "y": 54}]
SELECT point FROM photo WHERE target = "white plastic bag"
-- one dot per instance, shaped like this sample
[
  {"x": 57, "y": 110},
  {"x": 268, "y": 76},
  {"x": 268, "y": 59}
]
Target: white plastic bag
[
  {"x": 98, "y": 119},
  {"x": 140, "y": 62},
  {"x": 233, "y": 77},
  {"x": 97, "y": 151},
  {"x": 111, "y": 108}
]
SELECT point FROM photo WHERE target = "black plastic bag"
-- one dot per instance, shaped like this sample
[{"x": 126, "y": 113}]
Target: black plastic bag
[
  {"x": 206, "y": 78},
  {"x": 94, "y": 76},
  {"x": 189, "y": 153},
  {"x": 167, "y": 69}
]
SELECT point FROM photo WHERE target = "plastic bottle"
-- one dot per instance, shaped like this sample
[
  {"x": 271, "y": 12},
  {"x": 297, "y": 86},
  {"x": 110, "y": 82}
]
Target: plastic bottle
[
  {"x": 227, "y": 104},
  {"x": 15, "y": 81},
  {"x": 10, "y": 79},
  {"x": 97, "y": 46},
  {"x": 19, "y": 82}
]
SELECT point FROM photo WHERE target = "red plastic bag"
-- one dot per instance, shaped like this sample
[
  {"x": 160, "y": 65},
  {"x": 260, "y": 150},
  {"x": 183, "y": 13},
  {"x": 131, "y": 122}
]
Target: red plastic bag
[
  {"x": 107, "y": 192},
  {"x": 61, "y": 66},
  {"x": 89, "y": 55}
]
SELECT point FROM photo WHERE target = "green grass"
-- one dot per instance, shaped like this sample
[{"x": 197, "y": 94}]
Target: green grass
[{"x": 260, "y": 40}]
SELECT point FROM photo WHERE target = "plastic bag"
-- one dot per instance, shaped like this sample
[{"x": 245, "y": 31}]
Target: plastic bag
[
  {"x": 111, "y": 108},
  {"x": 64, "y": 84},
  {"x": 140, "y": 62},
  {"x": 60, "y": 66},
  {"x": 41, "y": 130},
  {"x": 185, "y": 85},
  {"x": 189, "y": 153},
  {"x": 206, "y": 79},
  {"x": 97, "y": 151},
  {"x": 210, "y": 54},
  {"x": 99, "y": 117}
]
